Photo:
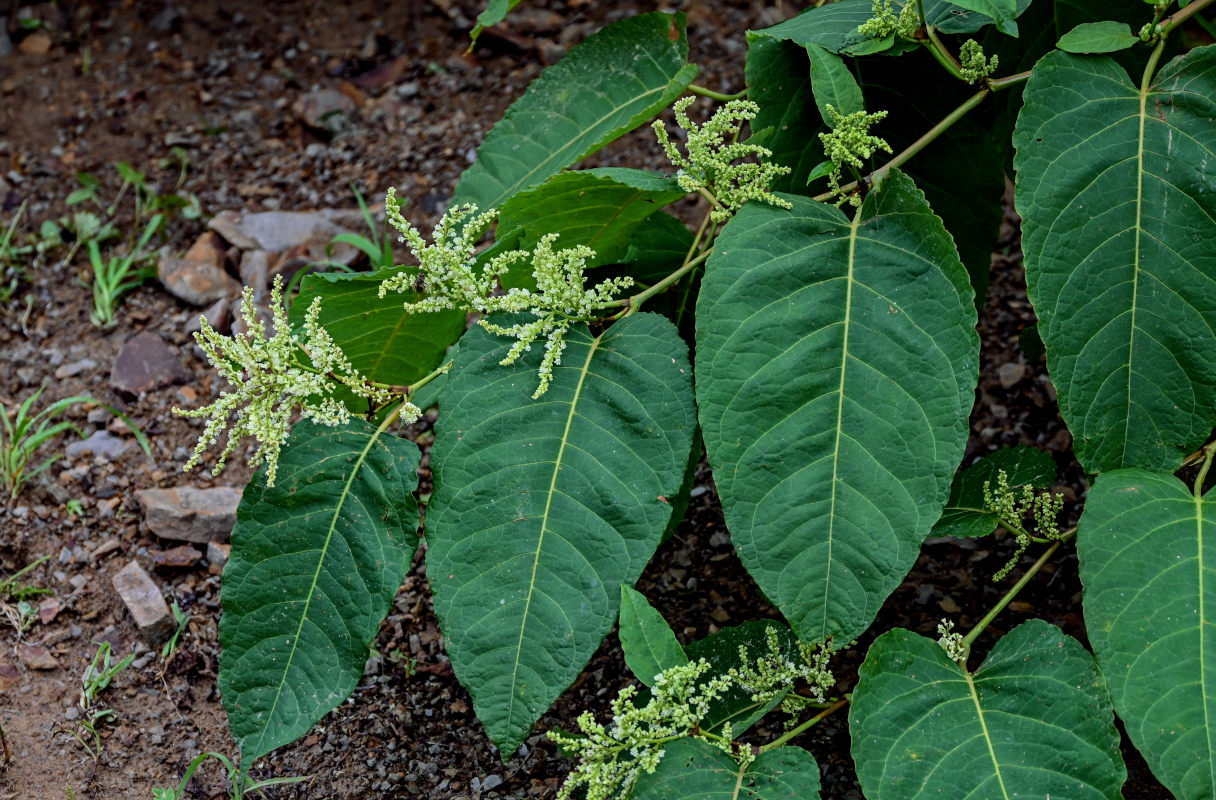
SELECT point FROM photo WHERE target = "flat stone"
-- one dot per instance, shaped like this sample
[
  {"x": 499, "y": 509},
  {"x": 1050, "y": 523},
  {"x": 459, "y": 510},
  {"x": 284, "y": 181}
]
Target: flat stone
[
  {"x": 48, "y": 609},
  {"x": 102, "y": 443},
  {"x": 9, "y": 676},
  {"x": 186, "y": 514},
  {"x": 146, "y": 363},
  {"x": 255, "y": 267},
  {"x": 37, "y": 43},
  {"x": 36, "y": 657},
  {"x": 75, "y": 368},
  {"x": 198, "y": 277},
  {"x": 276, "y": 231},
  {"x": 217, "y": 553},
  {"x": 143, "y": 599},
  {"x": 217, "y": 316},
  {"x": 1010, "y": 373},
  {"x": 324, "y": 109},
  {"x": 181, "y": 557}
]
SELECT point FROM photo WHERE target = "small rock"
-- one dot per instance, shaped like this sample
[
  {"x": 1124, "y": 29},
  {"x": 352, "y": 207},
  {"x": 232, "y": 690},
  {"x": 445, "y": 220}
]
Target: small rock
[
  {"x": 198, "y": 277},
  {"x": 255, "y": 267},
  {"x": 106, "y": 547},
  {"x": 78, "y": 582},
  {"x": 217, "y": 317},
  {"x": 491, "y": 782},
  {"x": 48, "y": 609},
  {"x": 323, "y": 109},
  {"x": 1010, "y": 373},
  {"x": 37, "y": 43},
  {"x": 190, "y": 515},
  {"x": 146, "y": 363},
  {"x": 9, "y": 675},
  {"x": 102, "y": 444},
  {"x": 276, "y": 231},
  {"x": 75, "y": 368},
  {"x": 36, "y": 657},
  {"x": 181, "y": 557},
  {"x": 217, "y": 553},
  {"x": 145, "y": 603}
]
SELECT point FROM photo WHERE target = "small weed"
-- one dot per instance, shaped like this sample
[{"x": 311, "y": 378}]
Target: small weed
[
  {"x": 74, "y": 508},
  {"x": 170, "y": 647},
  {"x": 15, "y": 597},
  {"x": 239, "y": 783},
  {"x": 11, "y": 256},
  {"x": 116, "y": 276},
  {"x": 96, "y": 678}
]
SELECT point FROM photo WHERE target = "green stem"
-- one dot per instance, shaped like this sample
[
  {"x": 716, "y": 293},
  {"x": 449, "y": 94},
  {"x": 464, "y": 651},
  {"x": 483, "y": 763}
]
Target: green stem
[
  {"x": 719, "y": 96},
  {"x": 1015, "y": 589},
  {"x": 1146, "y": 81},
  {"x": 1183, "y": 14},
  {"x": 903, "y": 156},
  {"x": 997, "y": 84},
  {"x": 795, "y": 731},
  {"x": 636, "y": 301},
  {"x": 1210, "y": 452},
  {"x": 942, "y": 54}
]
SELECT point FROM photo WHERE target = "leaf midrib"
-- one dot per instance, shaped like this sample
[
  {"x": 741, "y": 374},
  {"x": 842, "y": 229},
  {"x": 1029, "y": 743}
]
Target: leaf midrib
[
  {"x": 544, "y": 523},
  {"x": 323, "y": 552},
  {"x": 979, "y": 713},
  {"x": 1203, "y": 624}
]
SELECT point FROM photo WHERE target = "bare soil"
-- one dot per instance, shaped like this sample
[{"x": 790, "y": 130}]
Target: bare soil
[{"x": 129, "y": 81}]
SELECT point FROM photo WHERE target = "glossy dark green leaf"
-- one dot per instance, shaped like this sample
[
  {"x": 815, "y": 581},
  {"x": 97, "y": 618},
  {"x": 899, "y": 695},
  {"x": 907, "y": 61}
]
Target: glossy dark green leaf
[
  {"x": 657, "y": 248},
  {"x": 695, "y": 770},
  {"x": 778, "y": 80},
  {"x": 604, "y": 87},
  {"x": 649, "y": 645},
  {"x": 1118, "y": 203},
  {"x": 315, "y": 563},
  {"x": 1147, "y": 547},
  {"x": 1098, "y": 37},
  {"x": 1001, "y": 12},
  {"x": 543, "y": 508},
  {"x": 1034, "y": 721},
  {"x": 381, "y": 340},
  {"x": 836, "y": 363},
  {"x": 965, "y": 515},
  {"x": 599, "y": 208}
]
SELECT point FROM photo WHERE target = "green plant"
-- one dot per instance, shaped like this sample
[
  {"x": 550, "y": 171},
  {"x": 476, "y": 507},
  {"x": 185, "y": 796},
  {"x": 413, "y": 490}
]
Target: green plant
[
  {"x": 239, "y": 785},
  {"x": 116, "y": 276},
  {"x": 836, "y": 361},
  {"x": 182, "y": 619},
  {"x": 94, "y": 681},
  {"x": 15, "y": 598},
  {"x": 23, "y": 433}
]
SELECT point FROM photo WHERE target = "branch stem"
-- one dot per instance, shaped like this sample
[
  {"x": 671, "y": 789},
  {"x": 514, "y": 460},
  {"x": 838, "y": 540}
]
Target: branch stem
[
  {"x": 943, "y": 54},
  {"x": 795, "y": 731},
  {"x": 1183, "y": 14},
  {"x": 719, "y": 96}
]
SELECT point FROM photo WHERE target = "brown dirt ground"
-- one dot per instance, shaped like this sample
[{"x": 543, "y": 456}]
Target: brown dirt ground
[{"x": 125, "y": 81}]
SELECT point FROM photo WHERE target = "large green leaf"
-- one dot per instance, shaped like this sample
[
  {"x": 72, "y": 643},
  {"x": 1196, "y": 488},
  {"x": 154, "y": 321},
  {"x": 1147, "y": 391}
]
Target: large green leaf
[
  {"x": 836, "y": 361},
  {"x": 1148, "y": 564},
  {"x": 1118, "y": 202},
  {"x": 649, "y": 645},
  {"x": 965, "y": 514},
  {"x": 1001, "y": 12},
  {"x": 315, "y": 563},
  {"x": 604, "y": 87},
  {"x": 1034, "y": 721},
  {"x": 778, "y": 81},
  {"x": 692, "y": 769},
  {"x": 1098, "y": 37},
  {"x": 542, "y": 508},
  {"x": 599, "y": 208},
  {"x": 381, "y": 340},
  {"x": 833, "y": 84}
]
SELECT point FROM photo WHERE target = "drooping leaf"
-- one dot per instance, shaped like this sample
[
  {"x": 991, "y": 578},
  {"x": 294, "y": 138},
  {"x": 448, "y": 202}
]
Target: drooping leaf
[
  {"x": 1098, "y": 37},
  {"x": 1034, "y": 721},
  {"x": 496, "y": 11},
  {"x": 778, "y": 80},
  {"x": 1118, "y": 203},
  {"x": 542, "y": 508},
  {"x": 965, "y": 515},
  {"x": 650, "y": 646},
  {"x": 604, "y": 87},
  {"x": 1147, "y": 547},
  {"x": 315, "y": 563},
  {"x": 833, "y": 84},
  {"x": 836, "y": 360},
  {"x": 381, "y": 340},
  {"x": 692, "y": 769},
  {"x": 962, "y": 18},
  {"x": 721, "y": 650},
  {"x": 599, "y": 208}
]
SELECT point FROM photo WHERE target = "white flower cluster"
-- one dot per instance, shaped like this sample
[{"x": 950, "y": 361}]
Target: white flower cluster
[
  {"x": 850, "y": 143},
  {"x": 951, "y": 642},
  {"x": 1044, "y": 508},
  {"x": 717, "y": 160},
  {"x": 612, "y": 757},
  {"x": 273, "y": 377},
  {"x": 448, "y": 272}
]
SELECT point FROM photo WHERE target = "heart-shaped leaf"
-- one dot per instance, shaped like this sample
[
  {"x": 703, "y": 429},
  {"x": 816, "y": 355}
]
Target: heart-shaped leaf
[
  {"x": 836, "y": 365},
  {"x": 543, "y": 508},
  {"x": 1148, "y": 563},
  {"x": 1034, "y": 721},
  {"x": 695, "y": 770},
  {"x": 315, "y": 563},
  {"x": 1117, "y": 198}
]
